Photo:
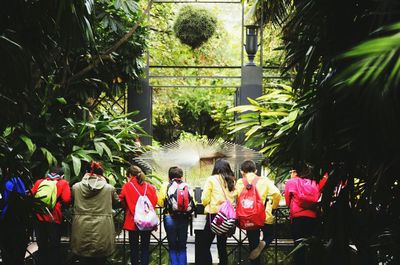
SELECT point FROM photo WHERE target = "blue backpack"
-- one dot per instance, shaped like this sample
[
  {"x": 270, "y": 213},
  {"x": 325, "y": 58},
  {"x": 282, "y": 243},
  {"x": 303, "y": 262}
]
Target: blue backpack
[{"x": 14, "y": 184}]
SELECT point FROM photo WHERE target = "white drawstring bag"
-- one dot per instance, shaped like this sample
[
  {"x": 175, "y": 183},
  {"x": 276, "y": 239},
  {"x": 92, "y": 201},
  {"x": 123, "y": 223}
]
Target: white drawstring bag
[{"x": 145, "y": 217}]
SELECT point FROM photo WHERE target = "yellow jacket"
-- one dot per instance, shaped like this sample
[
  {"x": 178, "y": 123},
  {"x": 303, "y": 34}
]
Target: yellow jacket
[
  {"x": 213, "y": 194},
  {"x": 266, "y": 188},
  {"x": 162, "y": 194}
]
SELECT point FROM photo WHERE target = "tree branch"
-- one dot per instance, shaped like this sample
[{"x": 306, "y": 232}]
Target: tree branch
[{"x": 106, "y": 55}]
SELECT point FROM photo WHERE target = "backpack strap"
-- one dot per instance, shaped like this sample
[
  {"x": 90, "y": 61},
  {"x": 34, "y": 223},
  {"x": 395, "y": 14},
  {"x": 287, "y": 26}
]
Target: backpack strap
[
  {"x": 222, "y": 187},
  {"x": 145, "y": 189},
  {"x": 253, "y": 183}
]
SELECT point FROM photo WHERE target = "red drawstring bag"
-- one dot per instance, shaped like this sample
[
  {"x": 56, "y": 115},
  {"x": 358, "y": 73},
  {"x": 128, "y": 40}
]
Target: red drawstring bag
[{"x": 250, "y": 209}]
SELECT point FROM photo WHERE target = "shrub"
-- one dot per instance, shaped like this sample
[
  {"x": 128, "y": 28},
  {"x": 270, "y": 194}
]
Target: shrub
[{"x": 194, "y": 26}]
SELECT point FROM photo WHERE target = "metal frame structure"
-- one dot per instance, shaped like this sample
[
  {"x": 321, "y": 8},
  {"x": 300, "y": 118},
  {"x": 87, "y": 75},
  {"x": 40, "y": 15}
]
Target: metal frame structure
[{"x": 159, "y": 242}]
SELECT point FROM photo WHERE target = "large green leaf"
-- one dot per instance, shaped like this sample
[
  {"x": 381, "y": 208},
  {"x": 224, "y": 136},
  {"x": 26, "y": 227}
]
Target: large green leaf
[
  {"x": 28, "y": 141},
  {"x": 51, "y": 160},
  {"x": 76, "y": 165}
]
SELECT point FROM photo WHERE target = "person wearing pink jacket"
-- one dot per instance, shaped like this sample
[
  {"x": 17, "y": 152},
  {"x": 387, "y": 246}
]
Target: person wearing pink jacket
[{"x": 304, "y": 221}]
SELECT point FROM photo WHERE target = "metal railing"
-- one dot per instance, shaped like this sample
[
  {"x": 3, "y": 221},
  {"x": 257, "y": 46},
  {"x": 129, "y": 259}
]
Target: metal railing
[{"x": 238, "y": 243}]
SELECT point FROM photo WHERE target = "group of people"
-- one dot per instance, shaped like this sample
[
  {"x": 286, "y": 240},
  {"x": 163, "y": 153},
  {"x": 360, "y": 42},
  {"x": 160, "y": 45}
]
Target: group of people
[
  {"x": 222, "y": 186},
  {"x": 93, "y": 232}
]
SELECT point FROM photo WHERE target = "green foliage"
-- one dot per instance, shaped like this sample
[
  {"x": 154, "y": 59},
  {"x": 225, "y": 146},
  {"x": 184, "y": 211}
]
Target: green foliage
[
  {"x": 197, "y": 111},
  {"x": 375, "y": 62},
  {"x": 267, "y": 120},
  {"x": 57, "y": 63},
  {"x": 185, "y": 109},
  {"x": 346, "y": 78},
  {"x": 194, "y": 26},
  {"x": 73, "y": 145}
]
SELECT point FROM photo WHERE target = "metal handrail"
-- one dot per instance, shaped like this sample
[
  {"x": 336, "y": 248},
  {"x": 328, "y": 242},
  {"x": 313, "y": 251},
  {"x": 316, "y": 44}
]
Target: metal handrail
[{"x": 159, "y": 242}]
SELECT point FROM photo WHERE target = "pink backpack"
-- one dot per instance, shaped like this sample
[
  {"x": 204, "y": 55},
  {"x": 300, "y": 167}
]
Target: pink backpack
[
  {"x": 308, "y": 193},
  {"x": 224, "y": 223}
]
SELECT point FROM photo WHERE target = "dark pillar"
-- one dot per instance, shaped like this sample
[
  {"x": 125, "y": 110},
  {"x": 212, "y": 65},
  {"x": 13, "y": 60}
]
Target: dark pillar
[
  {"x": 140, "y": 98},
  {"x": 251, "y": 83}
]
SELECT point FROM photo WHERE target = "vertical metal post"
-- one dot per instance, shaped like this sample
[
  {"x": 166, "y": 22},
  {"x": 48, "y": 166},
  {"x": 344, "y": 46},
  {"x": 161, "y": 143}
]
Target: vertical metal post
[
  {"x": 140, "y": 98},
  {"x": 242, "y": 39},
  {"x": 261, "y": 34}
]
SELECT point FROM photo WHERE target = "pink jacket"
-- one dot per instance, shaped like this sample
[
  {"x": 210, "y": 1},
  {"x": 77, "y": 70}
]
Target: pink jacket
[{"x": 292, "y": 201}]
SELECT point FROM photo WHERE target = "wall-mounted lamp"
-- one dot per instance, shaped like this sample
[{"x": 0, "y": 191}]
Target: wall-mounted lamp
[{"x": 251, "y": 43}]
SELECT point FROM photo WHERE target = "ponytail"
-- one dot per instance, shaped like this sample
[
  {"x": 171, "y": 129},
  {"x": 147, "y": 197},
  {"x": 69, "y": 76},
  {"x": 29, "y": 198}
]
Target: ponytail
[
  {"x": 136, "y": 172},
  {"x": 96, "y": 168}
]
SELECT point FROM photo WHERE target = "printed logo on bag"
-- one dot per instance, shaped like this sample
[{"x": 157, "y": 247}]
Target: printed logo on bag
[
  {"x": 145, "y": 217},
  {"x": 246, "y": 203},
  {"x": 250, "y": 209}
]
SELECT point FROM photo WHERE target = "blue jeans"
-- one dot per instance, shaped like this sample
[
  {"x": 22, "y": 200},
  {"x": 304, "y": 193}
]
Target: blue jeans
[
  {"x": 176, "y": 228},
  {"x": 144, "y": 246}
]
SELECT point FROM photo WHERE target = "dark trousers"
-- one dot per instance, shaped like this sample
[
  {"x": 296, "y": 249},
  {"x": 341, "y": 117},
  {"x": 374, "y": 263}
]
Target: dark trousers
[
  {"x": 48, "y": 240},
  {"x": 176, "y": 228},
  {"x": 91, "y": 261},
  {"x": 254, "y": 239},
  {"x": 144, "y": 246},
  {"x": 268, "y": 234},
  {"x": 208, "y": 237},
  {"x": 302, "y": 227},
  {"x": 13, "y": 242}
]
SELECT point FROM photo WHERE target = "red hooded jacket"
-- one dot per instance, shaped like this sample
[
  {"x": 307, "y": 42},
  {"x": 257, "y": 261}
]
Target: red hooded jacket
[
  {"x": 129, "y": 197},
  {"x": 63, "y": 197}
]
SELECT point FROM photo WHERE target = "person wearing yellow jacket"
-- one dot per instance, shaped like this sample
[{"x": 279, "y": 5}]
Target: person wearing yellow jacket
[
  {"x": 175, "y": 223},
  {"x": 217, "y": 189},
  {"x": 266, "y": 188}
]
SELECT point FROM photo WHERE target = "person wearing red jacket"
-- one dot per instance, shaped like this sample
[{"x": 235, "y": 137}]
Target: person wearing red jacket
[
  {"x": 304, "y": 221},
  {"x": 129, "y": 196},
  {"x": 48, "y": 229}
]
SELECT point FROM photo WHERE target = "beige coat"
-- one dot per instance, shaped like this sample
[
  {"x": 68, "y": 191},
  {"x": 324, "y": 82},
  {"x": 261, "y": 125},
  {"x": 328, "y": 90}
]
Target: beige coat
[{"x": 93, "y": 232}]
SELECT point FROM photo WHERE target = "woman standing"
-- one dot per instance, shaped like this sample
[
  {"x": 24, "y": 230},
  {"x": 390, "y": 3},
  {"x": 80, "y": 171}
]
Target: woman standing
[
  {"x": 303, "y": 219},
  {"x": 93, "y": 232},
  {"x": 218, "y": 188},
  {"x": 135, "y": 187},
  {"x": 176, "y": 222}
]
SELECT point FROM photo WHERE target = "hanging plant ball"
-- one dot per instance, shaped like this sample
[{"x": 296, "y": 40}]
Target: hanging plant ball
[{"x": 194, "y": 26}]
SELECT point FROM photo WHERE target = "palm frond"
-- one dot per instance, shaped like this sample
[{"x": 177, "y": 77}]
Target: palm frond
[{"x": 375, "y": 61}]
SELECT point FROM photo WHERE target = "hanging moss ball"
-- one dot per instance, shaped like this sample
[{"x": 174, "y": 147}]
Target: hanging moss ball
[{"x": 194, "y": 26}]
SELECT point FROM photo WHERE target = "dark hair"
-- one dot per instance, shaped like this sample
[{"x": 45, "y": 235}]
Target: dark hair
[
  {"x": 96, "y": 168},
  {"x": 248, "y": 166},
  {"x": 223, "y": 168},
  {"x": 175, "y": 172},
  {"x": 136, "y": 172},
  {"x": 57, "y": 170},
  {"x": 303, "y": 170}
]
